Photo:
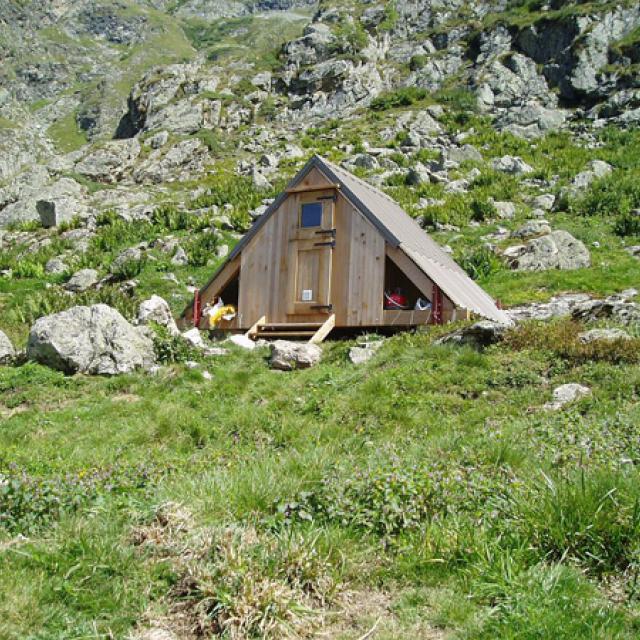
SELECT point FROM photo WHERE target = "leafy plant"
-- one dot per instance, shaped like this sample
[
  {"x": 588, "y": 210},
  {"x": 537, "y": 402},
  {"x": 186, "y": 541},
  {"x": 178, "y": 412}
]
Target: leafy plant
[
  {"x": 403, "y": 97},
  {"x": 480, "y": 263}
]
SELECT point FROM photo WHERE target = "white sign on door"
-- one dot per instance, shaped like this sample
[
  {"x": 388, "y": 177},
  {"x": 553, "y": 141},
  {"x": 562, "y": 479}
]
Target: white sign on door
[{"x": 307, "y": 295}]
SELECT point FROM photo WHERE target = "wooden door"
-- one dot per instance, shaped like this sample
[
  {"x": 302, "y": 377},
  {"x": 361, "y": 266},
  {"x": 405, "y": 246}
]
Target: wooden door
[{"x": 311, "y": 249}]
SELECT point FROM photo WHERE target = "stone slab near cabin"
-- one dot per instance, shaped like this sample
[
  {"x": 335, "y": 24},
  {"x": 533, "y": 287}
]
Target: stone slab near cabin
[
  {"x": 287, "y": 356},
  {"x": 94, "y": 340}
]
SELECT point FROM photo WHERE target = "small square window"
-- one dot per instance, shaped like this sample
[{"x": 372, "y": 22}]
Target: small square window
[{"x": 311, "y": 215}]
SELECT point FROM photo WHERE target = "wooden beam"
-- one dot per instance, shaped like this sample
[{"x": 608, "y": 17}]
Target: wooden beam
[
  {"x": 253, "y": 331},
  {"x": 313, "y": 188},
  {"x": 324, "y": 330}
]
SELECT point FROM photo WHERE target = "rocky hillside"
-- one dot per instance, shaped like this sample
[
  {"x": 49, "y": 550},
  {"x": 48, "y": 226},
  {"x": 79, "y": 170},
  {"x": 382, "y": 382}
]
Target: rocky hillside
[{"x": 474, "y": 481}]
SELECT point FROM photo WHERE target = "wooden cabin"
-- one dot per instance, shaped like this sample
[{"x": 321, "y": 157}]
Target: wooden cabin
[{"x": 327, "y": 253}]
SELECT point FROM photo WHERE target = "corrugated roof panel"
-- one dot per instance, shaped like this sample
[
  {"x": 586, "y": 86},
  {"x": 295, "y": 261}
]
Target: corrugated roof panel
[{"x": 404, "y": 232}]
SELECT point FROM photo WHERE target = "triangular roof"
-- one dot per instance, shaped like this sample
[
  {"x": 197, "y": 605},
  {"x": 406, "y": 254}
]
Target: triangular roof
[{"x": 400, "y": 230}]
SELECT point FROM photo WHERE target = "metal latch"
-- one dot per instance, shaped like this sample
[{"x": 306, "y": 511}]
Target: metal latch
[{"x": 331, "y": 244}]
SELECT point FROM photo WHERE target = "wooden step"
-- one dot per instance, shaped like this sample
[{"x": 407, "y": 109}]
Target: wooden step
[
  {"x": 286, "y": 334},
  {"x": 284, "y": 326}
]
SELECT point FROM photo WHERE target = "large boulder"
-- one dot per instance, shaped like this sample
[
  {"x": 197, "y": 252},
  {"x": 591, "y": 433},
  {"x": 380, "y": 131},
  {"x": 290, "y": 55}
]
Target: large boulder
[
  {"x": 556, "y": 250},
  {"x": 94, "y": 340},
  {"x": 7, "y": 352},
  {"x": 156, "y": 309},
  {"x": 287, "y": 356}
]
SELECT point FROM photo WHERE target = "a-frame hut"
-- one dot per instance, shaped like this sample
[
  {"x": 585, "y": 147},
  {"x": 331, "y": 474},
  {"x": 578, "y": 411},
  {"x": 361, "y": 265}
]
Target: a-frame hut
[{"x": 328, "y": 253}]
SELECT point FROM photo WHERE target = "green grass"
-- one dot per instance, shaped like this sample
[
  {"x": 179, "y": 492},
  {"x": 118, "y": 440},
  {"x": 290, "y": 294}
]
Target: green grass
[
  {"x": 66, "y": 135},
  {"x": 421, "y": 482}
]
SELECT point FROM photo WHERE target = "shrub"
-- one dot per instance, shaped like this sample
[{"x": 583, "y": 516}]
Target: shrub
[
  {"x": 170, "y": 218},
  {"x": 403, "y": 97},
  {"x": 417, "y": 62},
  {"x": 480, "y": 263},
  {"x": 129, "y": 269},
  {"x": 391, "y": 17},
  {"x": 28, "y": 269},
  {"x": 107, "y": 218},
  {"x": 617, "y": 194},
  {"x": 628, "y": 224},
  {"x": 169, "y": 348},
  {"x": 482, "y": 210},
  {"x": 29, "y": 502},
  {"x": 202, "y": 249},
  {"x": 211, "y": 139},
  {"x": 561, "y": 339}
]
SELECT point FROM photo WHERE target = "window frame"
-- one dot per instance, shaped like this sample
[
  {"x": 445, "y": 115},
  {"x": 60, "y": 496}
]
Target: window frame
[{"x": 301, "y": 213}]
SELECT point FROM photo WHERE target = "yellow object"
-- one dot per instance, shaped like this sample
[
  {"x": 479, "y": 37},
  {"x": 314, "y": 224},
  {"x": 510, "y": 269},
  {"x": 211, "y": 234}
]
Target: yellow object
[{"x": 215, "y": 317}]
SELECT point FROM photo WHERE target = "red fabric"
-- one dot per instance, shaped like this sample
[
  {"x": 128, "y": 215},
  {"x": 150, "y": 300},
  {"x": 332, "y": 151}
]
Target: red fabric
[{"x": 397, "y": 301}]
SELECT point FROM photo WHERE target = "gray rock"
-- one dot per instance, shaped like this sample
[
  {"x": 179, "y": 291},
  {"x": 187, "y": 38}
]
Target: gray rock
[
  {"x": 94, "y": 340},
  {"x": 594, "y": 335},
  {"x": 181, "y": 161},
  {"x": 363, "y": 353},
  {"x": 82, "y": 280},
  {"x": 531, "y": 120},
  {"x": 158, "y": 140},
  {"x": 544, "y": 201},
  {"x": 633, "y": 250},
  {"x": 364, "y": 161},
  {"x": 597, "y": 169},
  {"x": 566, "y": 394},
  {"x": 240, "y": 340},
  {"x": 156, "y": 309},
  {"x": 465, "y": 153},
  {"x": 557, "y": 250},
  {"x": 478, "y": 335},
  {"x": 627, "y": 313},
  {"x": 7, "y": 352},
  {"x": 286, "y": 356},
  {"x": 259, "y": 180},
  {"x": 511, "y": 164},
  {"x": 194, "y": 338},
  {"x": 110, "y": 162},
  {"x": 55, "y": 266},
  {"x": 532, "y": 228},
  {"x": 180, "y": 257},
  {"x": 505, "y": 210},
  {"x": 130, "y": 255},
  {"x": 19, "y": 203}
]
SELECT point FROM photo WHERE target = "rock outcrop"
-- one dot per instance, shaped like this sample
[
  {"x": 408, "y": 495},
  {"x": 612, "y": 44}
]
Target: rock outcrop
[
  {"x": 556, "y": 250},
  {"x": 94, "y": 340}
]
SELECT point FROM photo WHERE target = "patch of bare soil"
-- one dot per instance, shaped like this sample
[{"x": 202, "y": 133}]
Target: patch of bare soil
[{"x": 367, "y": 615}]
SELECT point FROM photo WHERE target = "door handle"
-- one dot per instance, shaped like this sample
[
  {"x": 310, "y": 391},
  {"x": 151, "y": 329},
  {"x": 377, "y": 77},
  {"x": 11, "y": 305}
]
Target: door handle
[
  {"x": 331, "y": 244},
  {"x": 326, "y": 232}
]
